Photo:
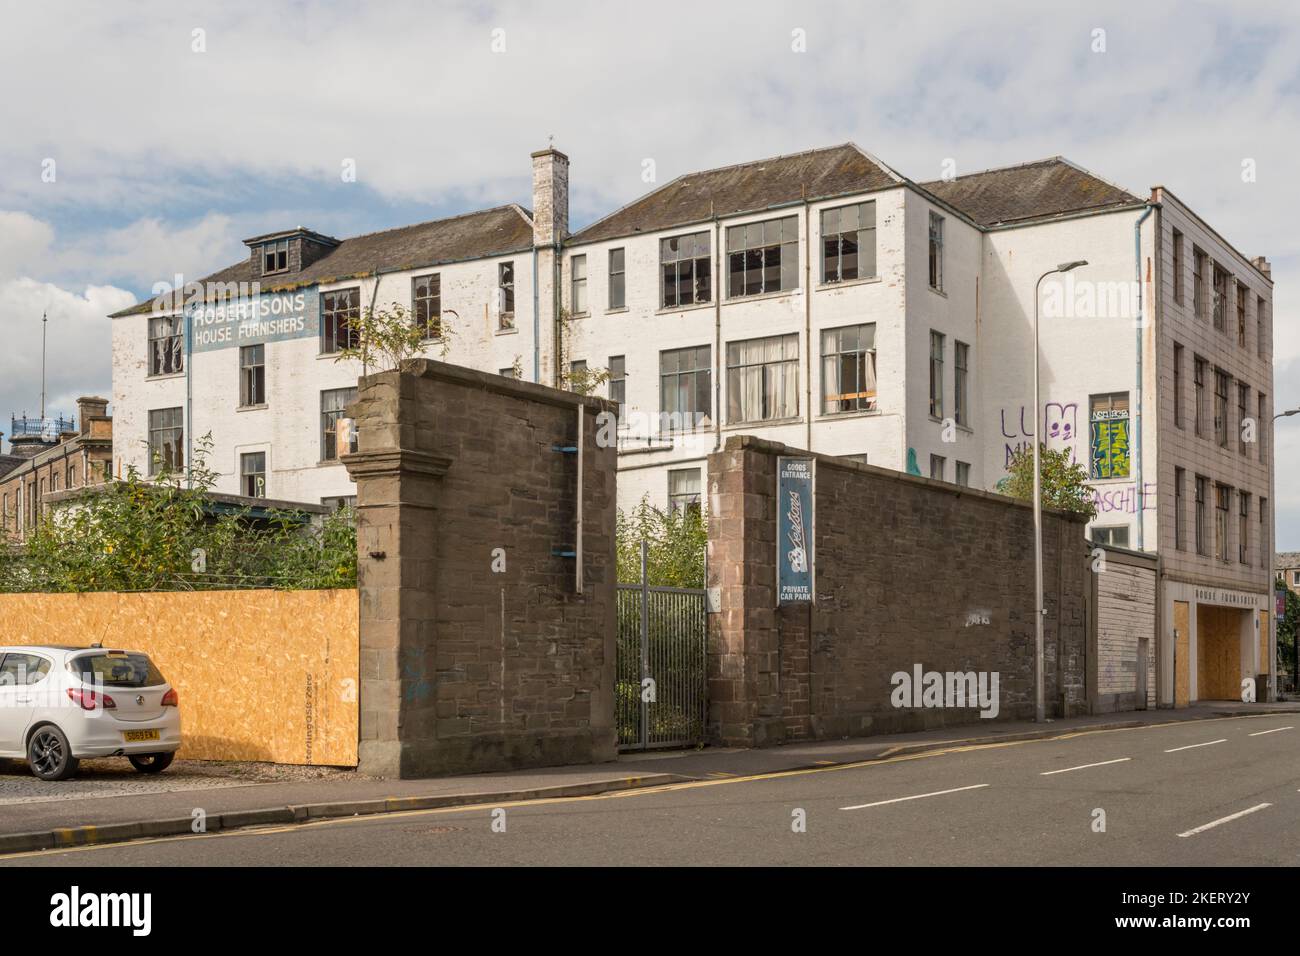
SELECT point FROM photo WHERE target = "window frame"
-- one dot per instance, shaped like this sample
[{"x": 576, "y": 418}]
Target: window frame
[
  {"x": 335, "y": 321},
  {"x": 694, "y": 277},
  {"x": 837, "y": 235},
  {"x": 329, "y": 418},
  {"x": 174, "y": 349},
  {"x": 743, "y": 251},
  {"x": 936, "y": 251},
  {"x": 936, "y": 373},
  {"x": 505, "y": 295},
  {"x": 697, "y": 372},
  {"x": 176, "y": 460},
  {"x": 866, "y": 400},
  {"x": 685, "y": 501},
  {"x": 578, "y": 284},
  {"x": 735, "y": 378},
  {"x": 245, "y": 459},
  {"x": 621, "y": 274},
  {"x": 252, "y": 377},
  {"x": 1179, "y": 265},
  {"x": 428, "y": 300},
  {"x": 276, "y": 250}
]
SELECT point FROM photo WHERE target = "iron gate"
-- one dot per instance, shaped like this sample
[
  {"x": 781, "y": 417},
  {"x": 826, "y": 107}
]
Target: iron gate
[{"x": 662, "y": 636}]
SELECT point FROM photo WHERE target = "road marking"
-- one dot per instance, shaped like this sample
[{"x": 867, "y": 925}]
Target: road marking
[
  {"x": 1227, "y": 819},
  {"x": 1208, "y": 743},
  {"x": 1104, "y": 763},
  {"x": 883, "y": 760},
  {"x": 919, "y": 796},
  {"x": 1261, "y": 733}
]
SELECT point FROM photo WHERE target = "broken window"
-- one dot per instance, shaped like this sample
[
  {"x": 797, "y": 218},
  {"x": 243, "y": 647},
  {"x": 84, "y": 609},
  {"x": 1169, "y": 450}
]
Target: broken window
[
  {"x": 763, "y": 379},
  {"x": 252, "y": 474},
  {"x": 1220, "y": 299},
  {"x": 936, "y": 252},
  {"x": 937, "y": 465},
  {"x": 166, "y": 440},
  {"x": 426, "y": 304},
  {"x": 763, "y": 257},
  {"x": 506, "y": 296},
  {"x": 275, "y": 257},
  {"x": 340, "y": 313},
  {"x": 332, "y": 403},
  {"x": 685, "y": 265},
  {"x": 849, "y": 242},
  {"x": 166, "y": 345},
  {"x": 849, "y": 369}
]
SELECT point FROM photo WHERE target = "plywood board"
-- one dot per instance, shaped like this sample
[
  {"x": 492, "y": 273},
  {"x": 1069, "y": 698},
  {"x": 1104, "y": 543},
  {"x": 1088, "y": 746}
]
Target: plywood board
[{"x": 262, "y": 675}]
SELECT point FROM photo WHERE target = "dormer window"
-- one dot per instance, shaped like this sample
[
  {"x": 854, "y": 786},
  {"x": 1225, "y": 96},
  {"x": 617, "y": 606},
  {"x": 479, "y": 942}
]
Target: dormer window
[{"x": 275, "y": 257}]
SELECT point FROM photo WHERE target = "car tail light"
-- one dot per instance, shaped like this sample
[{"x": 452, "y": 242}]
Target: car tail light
[
  {"x": 171, "y": 699},
  {"x": 89, "y": 700}
]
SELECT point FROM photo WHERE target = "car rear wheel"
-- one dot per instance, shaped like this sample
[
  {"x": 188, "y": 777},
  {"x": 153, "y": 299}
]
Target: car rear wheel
[
  {"x": 151, "y": 763},
  {"x": 49, "y": 754}
]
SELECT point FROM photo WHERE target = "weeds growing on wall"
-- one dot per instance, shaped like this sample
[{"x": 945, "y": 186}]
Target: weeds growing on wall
[
  {"x": 1064, "y": 481},
  {"x": 163, "y": 534},
  {"x": 678, "y": 541}
]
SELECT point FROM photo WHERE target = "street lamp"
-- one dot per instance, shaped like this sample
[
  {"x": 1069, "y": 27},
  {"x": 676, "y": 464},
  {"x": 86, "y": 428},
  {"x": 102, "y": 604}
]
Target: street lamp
[
  {"x": 1039, "y": 610},
  {"x": 1287, "y": 414}
]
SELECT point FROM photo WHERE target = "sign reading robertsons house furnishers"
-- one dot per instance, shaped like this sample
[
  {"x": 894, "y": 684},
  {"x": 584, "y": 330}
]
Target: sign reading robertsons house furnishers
[{"x": 794, "y": 530}]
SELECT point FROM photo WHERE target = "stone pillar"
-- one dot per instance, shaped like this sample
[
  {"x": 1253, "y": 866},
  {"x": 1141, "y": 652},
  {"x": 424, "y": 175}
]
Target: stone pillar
[{"x": 478, "y": 651}]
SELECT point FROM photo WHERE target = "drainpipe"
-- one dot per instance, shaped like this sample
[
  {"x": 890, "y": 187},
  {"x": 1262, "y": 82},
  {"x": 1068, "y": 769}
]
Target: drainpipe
[
  {"x": 807, "y": 338},
  {"x": 189, "y": 397},
  {"x": 537, "y": 323},
  {"x": 1138, "y": 336},
  {"x": 717, "y": 329}
]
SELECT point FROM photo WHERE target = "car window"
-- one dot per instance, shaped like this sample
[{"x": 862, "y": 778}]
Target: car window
[
  {"x": 116, "y": 670},
  {"x": 21, "y": 669}
]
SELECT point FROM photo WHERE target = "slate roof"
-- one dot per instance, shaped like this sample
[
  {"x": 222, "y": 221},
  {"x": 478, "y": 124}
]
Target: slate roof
[
  {"x": 745, "y": 188},
  {"x": 476, "y": 235},
  {"x": 1287, "y": 559},
  {"x": 1045, "y": 189}
]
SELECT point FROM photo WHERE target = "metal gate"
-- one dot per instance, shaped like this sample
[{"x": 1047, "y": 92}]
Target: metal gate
[{"x": 662, "y": 683}]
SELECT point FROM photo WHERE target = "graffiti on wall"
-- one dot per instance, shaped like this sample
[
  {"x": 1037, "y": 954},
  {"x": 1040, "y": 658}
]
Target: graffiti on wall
[
  {"x": 1109, "y": 444},
  {"x": 1060, "y": 426},
  {"x": 1122, "y": 499}
]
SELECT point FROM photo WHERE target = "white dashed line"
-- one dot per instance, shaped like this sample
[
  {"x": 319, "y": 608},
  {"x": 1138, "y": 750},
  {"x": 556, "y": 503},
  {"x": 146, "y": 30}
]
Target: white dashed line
[
  {"x": 937, "y": 793},
  {"x": 1215, "y": 823},
  {"x": 1261, "y": 733},
  {"x": 1104, "y": 763},
  {"x": 1194, "y": 746}
]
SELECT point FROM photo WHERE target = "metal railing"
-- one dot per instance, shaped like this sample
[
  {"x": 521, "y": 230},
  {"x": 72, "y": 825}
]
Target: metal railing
[
  {"x": 48, "y": 428},
  {"x": 662, "y": 686}
]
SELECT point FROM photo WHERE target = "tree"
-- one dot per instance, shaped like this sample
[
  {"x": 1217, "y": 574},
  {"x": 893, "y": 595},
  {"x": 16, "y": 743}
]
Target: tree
[
  {"x": 678, "y": 541},
  {"x": 1064, "y": 482},
  {"x": 1288, "y": 625}
]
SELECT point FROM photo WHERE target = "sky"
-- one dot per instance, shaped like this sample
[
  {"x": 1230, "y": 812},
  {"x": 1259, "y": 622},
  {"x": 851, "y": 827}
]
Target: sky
[{"x": 143, "y": 140}]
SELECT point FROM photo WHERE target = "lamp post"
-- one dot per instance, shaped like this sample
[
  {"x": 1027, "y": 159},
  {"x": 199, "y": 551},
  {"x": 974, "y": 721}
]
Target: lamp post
[{"x": 1039, "y": 610}]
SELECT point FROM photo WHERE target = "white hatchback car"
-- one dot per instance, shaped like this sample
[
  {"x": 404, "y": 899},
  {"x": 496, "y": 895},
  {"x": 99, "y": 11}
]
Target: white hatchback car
[{"x": 61, "y": 704}]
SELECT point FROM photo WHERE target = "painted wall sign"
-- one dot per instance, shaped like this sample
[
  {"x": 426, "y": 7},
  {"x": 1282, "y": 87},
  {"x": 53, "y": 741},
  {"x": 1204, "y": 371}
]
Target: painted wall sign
[
  {"x": 1230, "y": 598},
  {"x": 794, "y": 530},
  {"x": 1110, "y": 443},
  {"x": 273, "y": 317}
]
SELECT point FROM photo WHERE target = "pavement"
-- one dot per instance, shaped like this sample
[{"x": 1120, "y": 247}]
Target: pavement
[{"x": 110, "y": 804}]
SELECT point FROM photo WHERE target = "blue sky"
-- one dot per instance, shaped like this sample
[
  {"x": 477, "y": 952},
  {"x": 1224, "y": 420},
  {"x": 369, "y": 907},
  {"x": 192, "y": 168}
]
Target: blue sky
[{"x": 166, "y": 157}]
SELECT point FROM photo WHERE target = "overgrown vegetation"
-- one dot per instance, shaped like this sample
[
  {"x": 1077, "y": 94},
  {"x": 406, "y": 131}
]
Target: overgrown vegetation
[
  {"x": 162, "y": 534},
  {"x": 678, "y": 541},
  {"x": 386, "y": 338},
  {"x": 1064, "y": 482},
  {"x": 1288, "y": 628}
]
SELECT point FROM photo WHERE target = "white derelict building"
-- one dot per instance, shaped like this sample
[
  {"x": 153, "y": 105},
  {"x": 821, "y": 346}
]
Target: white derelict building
[{"x": 820, "y": 299}]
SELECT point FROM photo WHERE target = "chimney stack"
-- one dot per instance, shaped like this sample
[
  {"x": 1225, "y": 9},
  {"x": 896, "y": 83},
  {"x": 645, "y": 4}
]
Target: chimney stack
[
  {"x": 1261, "y": 263},
  {"x": 88, "y": 407},
  {"x": 550, "y": 197}
]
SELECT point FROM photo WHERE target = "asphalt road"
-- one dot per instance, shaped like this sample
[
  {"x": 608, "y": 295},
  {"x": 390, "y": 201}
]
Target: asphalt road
[{"x": 1219, "y": 792}]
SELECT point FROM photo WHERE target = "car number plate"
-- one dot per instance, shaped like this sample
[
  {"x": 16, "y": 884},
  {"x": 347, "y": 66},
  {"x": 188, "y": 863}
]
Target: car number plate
[{"x": 138, "y": 736}]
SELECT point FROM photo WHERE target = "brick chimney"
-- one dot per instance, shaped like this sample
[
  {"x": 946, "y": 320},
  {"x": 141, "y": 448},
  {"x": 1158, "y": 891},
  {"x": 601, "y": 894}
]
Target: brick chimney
[
  {"x": 550, "y": 197},
  {"x": 88, "y": 407}
]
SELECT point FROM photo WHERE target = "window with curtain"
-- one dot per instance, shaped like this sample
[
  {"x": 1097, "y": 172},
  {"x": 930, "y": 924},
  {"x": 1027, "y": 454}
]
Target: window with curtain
[
  {"x": 763, "y": 379},
  {"x": 849, "y": 369}
]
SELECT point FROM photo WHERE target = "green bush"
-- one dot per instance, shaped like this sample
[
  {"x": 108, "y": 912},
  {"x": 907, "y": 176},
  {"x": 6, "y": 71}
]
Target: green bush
[{"x": 134, "y": 534}]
